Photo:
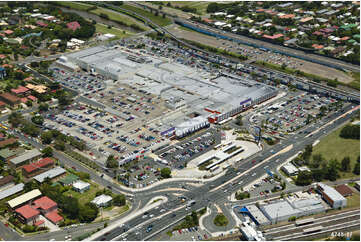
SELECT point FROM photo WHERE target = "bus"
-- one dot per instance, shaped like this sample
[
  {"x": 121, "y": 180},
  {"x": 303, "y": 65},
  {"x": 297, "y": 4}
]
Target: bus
[{"x": 4, "y": 127}]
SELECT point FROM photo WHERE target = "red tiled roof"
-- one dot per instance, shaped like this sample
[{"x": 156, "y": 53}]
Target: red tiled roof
[
  {"x": 19, "y": 90},
  {"x": 39, "y": 222},
  {"x": 28, "y": 78},
  {"x": 7, "y": 142},
  {"x": 8, "y": 31},
  {"x": 44, "y": 203},
  {"x": 73, "y": 25},
  {"x": 23, "y": 99},
  {"x": 54, "y": 216},
  {"x": 276, "y": 36},
  {"x": 27, "y": 211},
  {"x": 10, "y": 97},
  {"x": 39, "y": 164},
  {"x": 345, "y": 38},
  {"x": 286, "y": 16},
  {"x": 42, "y": 24},
  {"x": 2, "y": 104},
  {"x": 32, "y": 98},
  {"x": 2, "y": 56}
]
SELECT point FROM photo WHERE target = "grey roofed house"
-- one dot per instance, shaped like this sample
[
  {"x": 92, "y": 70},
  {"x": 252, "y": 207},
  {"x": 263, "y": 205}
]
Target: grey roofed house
[
  {"x": 11, "y": 191},
  {"x": 31, "y": 154},
  {"x": 57, "y": 171}
]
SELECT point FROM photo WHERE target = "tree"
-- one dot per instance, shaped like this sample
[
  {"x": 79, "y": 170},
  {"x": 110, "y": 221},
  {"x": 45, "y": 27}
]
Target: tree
[
  {"x": 165, "y": 172},
  {"x": 29, "y": 103},
  {"x": 47, "y": 151},
  {"x": 239, "y": 120},
  {"x": 318, "y": 174},
  {"x": 69, "y": 205},
  {"x": 88, "y": 212},
  {"x": 307, "y": 153},
  {"x": 119, "y": 200},
  {"x": 356, "y": 169},
  {"x": 64, "y": 98},
  {"x": 43, "y": 107},
  {"x": 346, "y": 164},
  {"x": 30, "y": 129},
  {"x": 47, "y": 137},
  {"x": 317, "y": 160},
  {"x": 111, "y": 162},
  {"x": 15, "y": 119},
  {"x": 38, "y": 119},
  {"x": 304, "y": 178},
  {"x": 332, "y": 170},
  {"x": 59, "y": 145},
  {"x": 350, "y": 132}
]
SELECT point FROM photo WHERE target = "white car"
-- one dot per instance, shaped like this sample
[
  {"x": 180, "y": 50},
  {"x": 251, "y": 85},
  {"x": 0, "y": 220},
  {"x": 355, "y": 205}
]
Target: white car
[
  {"x": 162, "y": 210},
  {"x": 151, "y": 215}
]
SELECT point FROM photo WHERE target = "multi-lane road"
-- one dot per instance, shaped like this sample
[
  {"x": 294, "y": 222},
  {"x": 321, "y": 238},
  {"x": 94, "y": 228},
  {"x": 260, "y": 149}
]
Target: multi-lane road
[{"x": 207, "y": 193}]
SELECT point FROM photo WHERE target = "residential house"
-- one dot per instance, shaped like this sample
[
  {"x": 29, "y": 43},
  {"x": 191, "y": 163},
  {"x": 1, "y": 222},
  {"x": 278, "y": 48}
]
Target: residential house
[
  {"x": 20, "y": 91},
  {"x": 81, "y": 186},
  {"x": 9, "y": 99},
  {"x": 38, "y": 167},
  {"x": 73, "y": 25},
  {"x": 27, "y": 214},
  {"x": 7, "y": 154},
  {"x": 6, "y": 182},
  {"x": 102, "y": 200},
  {"x": 54, "y": 173},
  {"x": 25, "y": 158},
  {"x": 20, "y": 200},
  {"x": 7, "y": 142}
]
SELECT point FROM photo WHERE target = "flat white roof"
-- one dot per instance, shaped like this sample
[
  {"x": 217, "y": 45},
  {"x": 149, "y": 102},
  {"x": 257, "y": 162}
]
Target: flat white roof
[{"x": 81, "y": 185}]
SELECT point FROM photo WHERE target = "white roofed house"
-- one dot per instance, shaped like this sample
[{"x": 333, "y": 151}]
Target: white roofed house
[
  {"x": 25, "y": 158},
  {"x": 102, "y": 200},
  {"x": 331, "y": 196},
  {"x": 81, "y": 186}
]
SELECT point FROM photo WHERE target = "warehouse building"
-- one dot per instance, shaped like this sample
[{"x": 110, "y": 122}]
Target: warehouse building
[
  {"x": 331, "y": 196},
  {"x": 282, "y": 210}
]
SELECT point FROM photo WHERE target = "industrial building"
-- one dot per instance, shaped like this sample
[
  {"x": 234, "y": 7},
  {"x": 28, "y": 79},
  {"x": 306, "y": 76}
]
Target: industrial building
[
  {"x": 255, "y": 214},
  {"x": 249, "y": 231},
  {"x": 331, "y": 196},
  {"x": 282, "y": 210},
  {"x": 290, "y": 169}
]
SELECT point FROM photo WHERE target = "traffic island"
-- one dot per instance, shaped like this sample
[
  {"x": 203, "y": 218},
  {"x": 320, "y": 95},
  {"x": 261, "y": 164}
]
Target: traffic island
[{"x": 220, "y": 220}]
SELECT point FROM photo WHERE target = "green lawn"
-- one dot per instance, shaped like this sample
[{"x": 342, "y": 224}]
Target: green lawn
[
  {"x": 117, "y": 32},
  {"x": 356, "y": 80},
  {"x": 75, "y": 5},
  {"x": 114, "y": 16},
  {"x": 200, "y": 6},
  {"x": 334, "y": 147},
  {"x": 353, "y": 201},
  {"x": 156, "y": 19},
  {"x": 84, "y": 197}
]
